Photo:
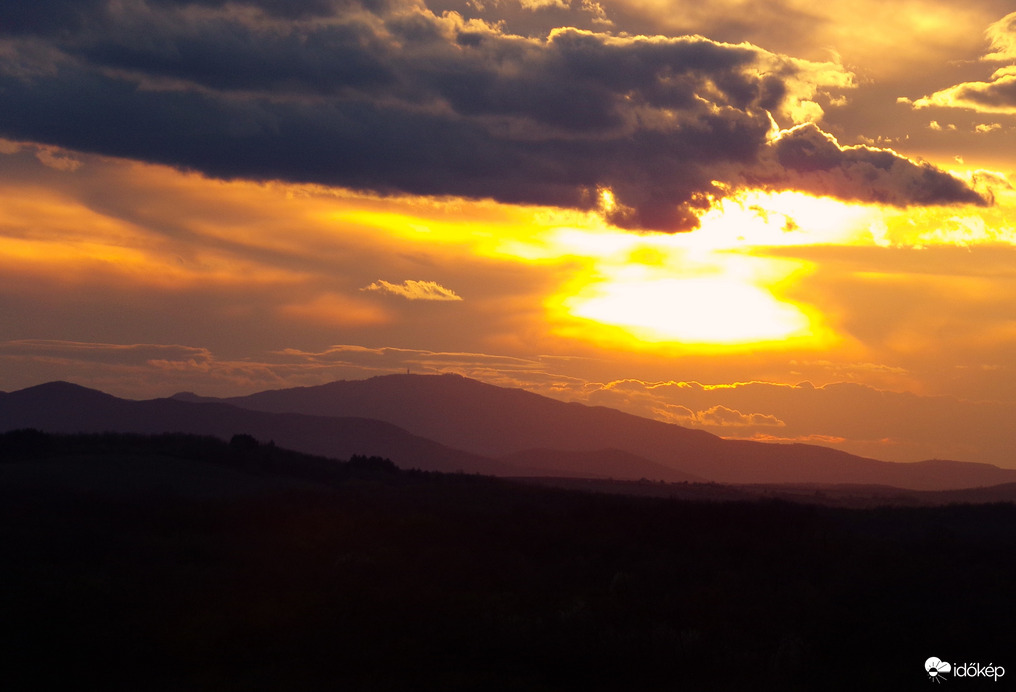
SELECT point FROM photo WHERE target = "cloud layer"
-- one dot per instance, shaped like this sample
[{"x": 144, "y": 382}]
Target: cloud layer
[
  {"x": 387, "y": 96},
  {"x": 998, "y": 93}
]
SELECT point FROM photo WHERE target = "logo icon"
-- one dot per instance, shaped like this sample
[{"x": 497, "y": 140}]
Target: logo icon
[{"x": 936, "y": 667}]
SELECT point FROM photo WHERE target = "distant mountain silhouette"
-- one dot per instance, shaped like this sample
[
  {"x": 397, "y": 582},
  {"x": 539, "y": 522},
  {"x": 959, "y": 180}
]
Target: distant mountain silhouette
[
  {"x": 449, "y": 423},
  {"x": 62, "y": 407},
  {"x": 500, "y": 422}
]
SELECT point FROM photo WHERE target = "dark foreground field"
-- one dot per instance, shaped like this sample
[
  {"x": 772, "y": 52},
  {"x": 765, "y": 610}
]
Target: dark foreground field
[{"x": 178, "y": 563}]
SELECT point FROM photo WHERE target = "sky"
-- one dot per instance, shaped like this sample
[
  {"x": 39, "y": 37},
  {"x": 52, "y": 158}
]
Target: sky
[{"x": 772, "y": 220}]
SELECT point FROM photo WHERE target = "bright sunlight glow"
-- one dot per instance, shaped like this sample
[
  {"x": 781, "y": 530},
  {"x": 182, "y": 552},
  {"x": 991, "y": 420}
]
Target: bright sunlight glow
[
  {"x": 712, "y": 287},
  {"x": 694, "y": 311},
  {"x": 720, "y": 286}
]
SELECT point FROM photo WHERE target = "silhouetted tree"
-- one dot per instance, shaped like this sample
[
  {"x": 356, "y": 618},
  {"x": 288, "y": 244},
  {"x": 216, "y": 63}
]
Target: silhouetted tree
[{"x": 244, "y": 442}]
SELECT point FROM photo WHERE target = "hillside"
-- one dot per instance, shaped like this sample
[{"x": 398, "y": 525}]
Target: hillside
[
  {"x": 61, "y": 407},
  {"x": 502, "y": 422},
  {"x": 450, "y": 423}
]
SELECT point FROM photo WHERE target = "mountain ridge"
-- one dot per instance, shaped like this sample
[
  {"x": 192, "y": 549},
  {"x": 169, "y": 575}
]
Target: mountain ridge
[
  {"x": 499, "y": 422},
  {"x": 448, "y": 423},
  {"x": 66, "y": 408}
]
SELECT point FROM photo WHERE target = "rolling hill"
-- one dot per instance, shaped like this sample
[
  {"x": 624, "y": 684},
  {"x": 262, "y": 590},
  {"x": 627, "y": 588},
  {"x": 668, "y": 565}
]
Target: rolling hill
[
  {"x": 61, "y": 407},
  {"x": 451, "y": 423},
  {"x": 500, "y": 422}
]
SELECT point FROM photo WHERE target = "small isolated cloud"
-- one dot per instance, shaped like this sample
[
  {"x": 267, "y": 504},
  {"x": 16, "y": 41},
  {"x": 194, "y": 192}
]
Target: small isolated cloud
[
  {"x": 722, "y": 416},
  {"x": 543, "y": 4},
  {"x": 995, "y": 95},
  {"x": 717, "y": 416},
  {"x": 414, "y": 290},
  {"x": 827, "y": 440},
  {"x": 596, "y": 10},
  {"x": 57, "y": 160}
]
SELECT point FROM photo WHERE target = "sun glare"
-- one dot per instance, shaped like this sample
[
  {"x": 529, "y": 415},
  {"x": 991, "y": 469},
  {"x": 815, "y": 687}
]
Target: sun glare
[
  {"x": 692, "y": 311},
  {"x": 720, "y": 286},
  {"x": 715, "y": 287}
]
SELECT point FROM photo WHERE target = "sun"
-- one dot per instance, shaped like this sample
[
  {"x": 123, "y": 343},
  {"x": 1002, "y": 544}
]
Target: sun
[
  {"x": 718, "y": 287},
  {"x": 691, "y": 311},
  {"x": 696, "y": 301},
  {"x": 730, "y": 285}
]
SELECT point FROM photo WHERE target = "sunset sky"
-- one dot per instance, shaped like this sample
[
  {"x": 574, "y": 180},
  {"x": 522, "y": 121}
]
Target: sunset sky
[{"x": 776, "y": 220}]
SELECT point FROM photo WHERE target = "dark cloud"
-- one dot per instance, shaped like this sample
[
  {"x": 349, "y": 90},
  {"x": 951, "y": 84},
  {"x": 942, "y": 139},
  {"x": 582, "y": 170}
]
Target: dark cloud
[
  {"x": 393, "y": 98},
  {"x": 808, "y": 159},
  {"x": 231, "y": 57},
  {"x": 59, "y": 16},
  {"x": 46, "y": 17}
]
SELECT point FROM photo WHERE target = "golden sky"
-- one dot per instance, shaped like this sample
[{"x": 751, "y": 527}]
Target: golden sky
[{"x": 768, "y": 220}]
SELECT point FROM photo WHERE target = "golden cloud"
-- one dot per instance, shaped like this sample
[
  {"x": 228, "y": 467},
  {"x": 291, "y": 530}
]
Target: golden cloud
[
  {"x": 412, "y": 289},
  {"x": 995, "y": 95}
]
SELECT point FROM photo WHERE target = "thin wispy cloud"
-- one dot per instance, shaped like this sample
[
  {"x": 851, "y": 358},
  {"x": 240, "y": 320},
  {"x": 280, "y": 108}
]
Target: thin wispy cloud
[{"x": 412, "y": 289}]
